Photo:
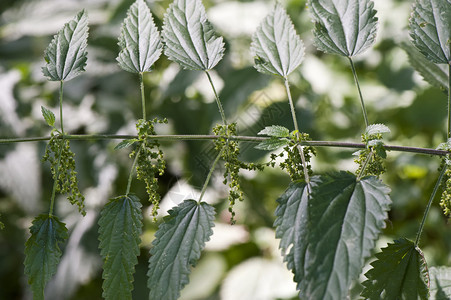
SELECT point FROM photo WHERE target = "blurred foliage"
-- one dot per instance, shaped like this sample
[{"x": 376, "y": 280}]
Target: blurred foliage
[{"x": 106, "y": 99}]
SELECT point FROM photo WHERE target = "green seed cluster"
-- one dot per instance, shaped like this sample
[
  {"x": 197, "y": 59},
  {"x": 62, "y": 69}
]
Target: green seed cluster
[
  {"x": 62, "y": 166},
  {"x": 376, "y": 153},
  {"x": 293, "y": 161},
  {"x": 230, "y": 152},
  {"x": 445, "y": 201},
  {"x": 150, "y": 162}
]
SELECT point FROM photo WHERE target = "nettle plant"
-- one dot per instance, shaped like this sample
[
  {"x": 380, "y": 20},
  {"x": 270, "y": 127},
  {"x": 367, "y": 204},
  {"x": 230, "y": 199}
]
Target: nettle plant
[{"x": 327, "y": 224}]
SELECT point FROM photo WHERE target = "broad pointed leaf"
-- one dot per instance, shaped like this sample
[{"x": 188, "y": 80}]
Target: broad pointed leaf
[
  {"x": 120, "y": 228},
  {"x": 343, "y": 27},
  {"x": 275, "y": 131},
  {"x": 376, "y": 129},
  {"x": 346, "y": 216},
  {"x": 66, "y": 53},
  {"x": 177, "y": 247},
  {"x": 48, "y": 115},
  {"x": 399, "y": 272},
  {"x": 430, "y": 29},
  {"x": 271, "y": 144},
  {"x": 276, "y": 45},
  {"x": 292, "y": 226},
  {"x": 139, "y": 40},
  {"x": 190, "y": 38},
  {"x": 431, "y": 72},
  {"x": 440, "y": 280},
  {"x": 42, "y": 252}
]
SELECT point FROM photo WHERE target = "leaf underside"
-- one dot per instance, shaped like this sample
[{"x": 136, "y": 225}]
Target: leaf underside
[
  {"x": 432, "y": 73},
  {"x": 440, "y": 280},
  {"x": 430, "y": 29},
  {"x": 120, "y": 228},
  {"x": 189, "y": 37},
  {"x": 271, "y": 144},
  {"x": 66, "y": 53},
  {"x": 276, "y": 45},
  {"x": 48, "y": 115},
  {"x": 42, "y": 252},
  {"x": 399, "y": 272},
  {"x": 345, "y": 28},
  {"x": 177, "y": 247},
  {"x": 139, "y": 40}
]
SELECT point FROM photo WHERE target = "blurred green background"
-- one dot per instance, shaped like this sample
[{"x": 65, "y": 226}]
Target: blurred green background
[{"x": 241, "y": 261}]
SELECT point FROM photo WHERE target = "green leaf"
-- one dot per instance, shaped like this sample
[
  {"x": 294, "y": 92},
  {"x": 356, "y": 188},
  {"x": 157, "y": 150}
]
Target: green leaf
[
  {"x": 177, "y": 247},
  {"x": 432, "y": 73},
  {"x": 399, "y": 272},
  {"x": 292, "y": 226},
  {"x": 120, "y": 227},
  {"x": 190, "y": 38},
  {"x": 440, "y": 280},
  {"x": 139, "y": 40},
  {"x": 377, "y": 129},
  {"x": 66, "y": 53},
  {"x": 275, "y": 131},
  {"x": 345, "y": 28},
  {"x": 276, "y": 45},
  {"x": 346, "y": 216},
  {"x": 49, "y": 116},
  {"x": 42, "y": 252},
  {"x": 430, "y": 29},
  {"x": 271, "y": 144},
  {"x": 125, "y": 144}
]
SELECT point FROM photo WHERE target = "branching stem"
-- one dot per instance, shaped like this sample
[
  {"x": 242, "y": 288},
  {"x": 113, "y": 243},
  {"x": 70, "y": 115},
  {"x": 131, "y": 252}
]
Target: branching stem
[
  {"x": 365, "y": 164},
  {"x": 295, "y": 121},
  {"x": 218, "y": 101},
  {"x": 356, "y": 79},
  {"x": 426, "y": 212},
  {"x": 61, "y": 107},
  {"x": 207, "y": 180},
  {"x": 130, "y": 176}
]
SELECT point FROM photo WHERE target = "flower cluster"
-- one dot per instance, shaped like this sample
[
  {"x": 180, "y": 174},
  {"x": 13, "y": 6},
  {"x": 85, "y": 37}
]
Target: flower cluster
[
  {"x": 62, "y": 165},
  {"x": 230, "y": 152},
  {"x": 371, "y": 159},
  {"x": 150, "y": 162}
]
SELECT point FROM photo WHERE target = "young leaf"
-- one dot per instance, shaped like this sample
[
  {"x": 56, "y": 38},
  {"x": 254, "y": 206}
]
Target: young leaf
[
  {"x": 48, "y": 115},
  {"x": 177, "y": 247},
  {"x": 189, "y": 36},
  {"x": 430, "y": 29},
  {"x": 376, "y": 129},
  {"x": 432, "y": 73},
  {"x": 346, "y": 216},
  {"x": 276, "y": 46},
  {"x": 271, "y": 144},
  {"x": 42, "y": 252},
  {"x": 292, "y": 226},
  {"x": 120, "y": 227},
  {"x": 345, "y": 28},
  {"x": 399, "y": 272},
  {"x": 139, "y": 40},
  {"x": 275, "y": 131},
  {"x": 440, "y": 280},
  {"x": 125, "y": 144},
  {"x": 66, "y": 53}
]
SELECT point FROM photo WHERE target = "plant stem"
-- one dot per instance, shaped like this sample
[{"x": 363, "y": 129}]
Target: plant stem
[
  {"x": 61, "y": 106},
  {"x": 295, "y": 122},
  {"x": 207, "y": 180},
  {"x": 365, "y": 164},
  {"x": 356, "y": 79},
  {"x": 130, "y": 176},
  {"x": 449, "y": 101},
  {"x": 241, "y": 138},
  {"x": 143, "y": 97},
  {"x": 55, "y": 181},
  {"x": 218, "y": 101},
  {"x": 426, "y": 212}
]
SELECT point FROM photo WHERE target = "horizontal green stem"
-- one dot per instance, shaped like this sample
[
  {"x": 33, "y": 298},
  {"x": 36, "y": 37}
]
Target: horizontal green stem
[{"x": 254, "y": 139}]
